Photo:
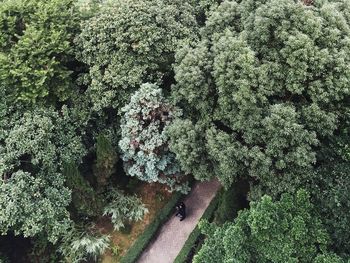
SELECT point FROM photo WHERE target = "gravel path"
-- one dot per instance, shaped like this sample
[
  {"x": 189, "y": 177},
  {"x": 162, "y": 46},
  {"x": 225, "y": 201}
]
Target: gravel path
[{"x": 173, "y": 234}]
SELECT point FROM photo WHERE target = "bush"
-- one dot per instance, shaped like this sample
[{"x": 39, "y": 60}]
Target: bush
[
  {"x": 82, "y": 245},
  {"x": 227, "y": 208},
  {"x": 124, "y": 208}
]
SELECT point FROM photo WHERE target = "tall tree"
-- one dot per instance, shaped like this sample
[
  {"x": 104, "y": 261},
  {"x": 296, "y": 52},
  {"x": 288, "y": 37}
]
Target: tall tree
[
  {"x": 106, "y": 159},
  {"x": 263, "y": 89}
]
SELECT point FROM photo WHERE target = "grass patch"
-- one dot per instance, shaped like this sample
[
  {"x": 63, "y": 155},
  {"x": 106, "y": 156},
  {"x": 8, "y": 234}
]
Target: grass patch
[{"x": 194, "y": 241}]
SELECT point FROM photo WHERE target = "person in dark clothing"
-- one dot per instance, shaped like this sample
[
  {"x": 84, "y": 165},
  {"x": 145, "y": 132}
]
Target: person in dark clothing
[{"x": 181, "y": 211}]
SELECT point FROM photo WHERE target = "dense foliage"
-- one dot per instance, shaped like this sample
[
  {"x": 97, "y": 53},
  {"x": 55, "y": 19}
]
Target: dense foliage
[
  {"x": 263, "y": 89},
  {"x": 33, "y": 196},
  {"x": 330, "y": 190},
  {"x": 283, "y": 231},
  {"x": 36, "y": 51},
  {"x": 248, "y": 91},
  {"x": 128, "y": 42}
]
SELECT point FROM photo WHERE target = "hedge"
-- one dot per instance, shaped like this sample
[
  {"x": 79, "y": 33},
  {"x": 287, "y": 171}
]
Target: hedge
[
  {"x": 193, "y": 237},
  {"x": 142, "y": 241}
]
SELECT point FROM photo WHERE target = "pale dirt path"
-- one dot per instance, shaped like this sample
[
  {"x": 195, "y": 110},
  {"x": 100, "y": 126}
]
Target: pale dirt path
[{"x": 173, "y": 234}]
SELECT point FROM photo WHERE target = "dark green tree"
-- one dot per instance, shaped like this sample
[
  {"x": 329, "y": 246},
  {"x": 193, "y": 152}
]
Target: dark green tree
[
  {"x": 287, "y": 230},
  {"x": 85, "y": 202},
  {"x": 330, "y": 190}
]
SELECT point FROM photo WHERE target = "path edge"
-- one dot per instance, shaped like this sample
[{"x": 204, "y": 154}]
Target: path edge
[{"x": 193, "y": 237}]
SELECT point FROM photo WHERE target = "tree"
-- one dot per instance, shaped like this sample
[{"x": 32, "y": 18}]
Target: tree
[
  {"x": 123, "y": 52},
  {"x": 263, "y": 90},
  {"x": 144, "y": 143},
  {"x": 36, "y": 49},
  {"x": 287, "y": 230},
  {"x": 105, "y": 161},
  {"x": 33, "y": 198},
  {"x": 330, "y": 190},
  {"x": 85, "y": 202}
]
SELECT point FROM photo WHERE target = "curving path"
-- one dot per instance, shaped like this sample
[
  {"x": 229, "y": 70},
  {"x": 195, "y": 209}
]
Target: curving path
[{"x": 173, "y": 234}]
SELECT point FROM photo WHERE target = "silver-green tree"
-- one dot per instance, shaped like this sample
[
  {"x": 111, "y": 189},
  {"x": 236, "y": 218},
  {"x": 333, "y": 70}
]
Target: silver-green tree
[{"x": 144, "y": 143}]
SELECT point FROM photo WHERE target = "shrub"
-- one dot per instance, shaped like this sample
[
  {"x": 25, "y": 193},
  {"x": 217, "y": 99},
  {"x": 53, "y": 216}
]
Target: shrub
[
  {"x": 231, "y": 201},
  {"x": 123, "y": 208},
  {"x": 81, "y": 245}
]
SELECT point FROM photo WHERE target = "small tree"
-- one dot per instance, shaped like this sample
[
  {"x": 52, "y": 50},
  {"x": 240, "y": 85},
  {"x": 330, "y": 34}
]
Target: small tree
[
  {"x": 144, "y": 143},
  {"x": 84, "y": 199},
  {"x": 106, "y": 158}
]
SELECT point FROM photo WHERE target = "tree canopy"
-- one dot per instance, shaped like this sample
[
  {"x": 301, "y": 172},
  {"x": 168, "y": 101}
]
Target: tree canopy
[
  {"x": 123, "y": 52},
  {"x": 36, "y": 49},
  {"x": 287, "y": 230},
  {"x": 252, "y": 92},
  {"x": 33, "y": 196},
  {"x": 263, "y": 88}
]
